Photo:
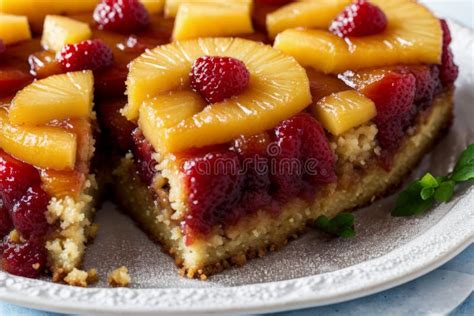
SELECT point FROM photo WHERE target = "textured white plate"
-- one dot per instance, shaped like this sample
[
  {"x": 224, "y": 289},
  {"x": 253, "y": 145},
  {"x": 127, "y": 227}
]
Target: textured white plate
[{"x": 311, "y": 271}]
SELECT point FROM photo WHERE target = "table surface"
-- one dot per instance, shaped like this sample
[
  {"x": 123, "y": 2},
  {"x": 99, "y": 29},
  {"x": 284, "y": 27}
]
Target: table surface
[{"x": 447, "y": 290}]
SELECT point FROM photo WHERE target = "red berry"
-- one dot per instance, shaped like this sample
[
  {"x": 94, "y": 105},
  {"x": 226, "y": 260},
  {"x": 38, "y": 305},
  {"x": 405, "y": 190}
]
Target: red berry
[
  {"x": 6, "y": 224},
  {"x": 427, "y": 84},
  {"x": 393, "y": 96},
  {"x": 123, "y": 16},
  {"x": 304, "y": 158},
  {"x": 89, "y": 54},
  {"x": 143, "y": 153},
  {"x": 360, "y": 18},
  {"x": 15, "y": 178},
  {"x": 219, "y": 78},
  {"x": 449, "y": 71},
  {"x": 27, "y": 260},
  {"x": 214, "y": 185},
  {"x": 29, "y": 213},
  {"x": 2, "y": 47},
  {"x": 446, "y": 33}
]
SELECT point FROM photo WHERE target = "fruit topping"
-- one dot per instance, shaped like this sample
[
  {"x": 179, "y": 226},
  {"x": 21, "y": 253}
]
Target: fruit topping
[
  {"x": 360, "y": 18},
  {"x": 172, "y": 6},
  {"x": 278, "y": 89},
  {"x": 446, "y": 33},
  {"x": 14, "y": 28},
  {"x": 305, "y": 14},
  {"x": 449, "y": 70},
  {"x": 29, "y": 213},
  {"x": 153, "y": 6},
  {"x": 219, "y": 78},
  {"x": 413, "y": 36},
  {"x": 44, "y": 64},
  {"x": 275, "y": 2},
  {"x": 54, "y": 98},
  {"x": 89, "y": 54},
  {"x": 123, "y": 16},
  {"x": 59, "y": 31},
  {"x": 2, "y": 47},
  {"x": 304, "y": 158},
  {"x": 214, "y": 189},
  {"x": 15, "y": 179},
  {"x": 143, "y": 153},
  {"x": 195, "y": 20},
  {"x": 27, "y": 260},
  {"x": 6, "y": 224},
  {"x": 60, "y": 184},
  {"x": 43, "y": 147},
  {"x": 339, "y": 112}
]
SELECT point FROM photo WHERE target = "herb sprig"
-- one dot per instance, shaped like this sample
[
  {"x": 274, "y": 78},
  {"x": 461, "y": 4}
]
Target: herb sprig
[
  {"x": 423, "y": 193},
  {"x": 342, "y": 225}
]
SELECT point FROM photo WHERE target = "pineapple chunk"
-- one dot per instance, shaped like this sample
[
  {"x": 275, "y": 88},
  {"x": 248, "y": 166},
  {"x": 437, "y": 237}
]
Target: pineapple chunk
[
  {"x": 153, "y": 6},
  {"x": 339, "y": 112},
  {"x": 201, "y": 20},
  {"x": 14, "y": 28},
  {"x": 164, "y": 111},
  {"x": 54, "y": 98},
  {"x": 413, "y": 36},
  {"x": 36, "y": 10},
  {"x": 172, "y": 6},
  {"x": 43, "y": 147},
  {"x": 309, "y": 14},
  {"x": 278, "y": 89},
  {"x": 59, "y": 31}
]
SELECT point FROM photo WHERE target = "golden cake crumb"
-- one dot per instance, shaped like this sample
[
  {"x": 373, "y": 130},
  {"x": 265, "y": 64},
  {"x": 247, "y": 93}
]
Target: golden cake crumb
[
  {"x": 92, "y": 276},
  {"x": 77, "y": 278},
  {"x": 119, "y": 277},
  {"x": 92, "y": 231},
  {"x": 356, "y": 145}
]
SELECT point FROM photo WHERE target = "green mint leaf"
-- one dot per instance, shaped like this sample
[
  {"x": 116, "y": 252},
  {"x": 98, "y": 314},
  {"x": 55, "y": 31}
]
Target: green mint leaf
[
  {"x": 464, "y": 173},
  {"x": 464, "y": 169},
  {"x": 445, "y": 191},
  {"x": 410, "y": 201},
  {"x": 341, "y": 225},
  {"x": 428, "y": 181},
  {"x": 427, "y": 193}
]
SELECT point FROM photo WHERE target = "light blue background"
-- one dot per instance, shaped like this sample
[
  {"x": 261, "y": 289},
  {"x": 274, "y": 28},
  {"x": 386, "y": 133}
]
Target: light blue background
[{"x": 447, "y": 290}]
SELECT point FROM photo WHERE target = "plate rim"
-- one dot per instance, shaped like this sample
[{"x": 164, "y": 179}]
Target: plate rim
[{"x": 447, "y": 238}]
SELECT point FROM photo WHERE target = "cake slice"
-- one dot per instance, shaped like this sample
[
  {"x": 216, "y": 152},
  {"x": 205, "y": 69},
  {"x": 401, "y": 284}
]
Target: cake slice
[{"x": 47, "y": 188}]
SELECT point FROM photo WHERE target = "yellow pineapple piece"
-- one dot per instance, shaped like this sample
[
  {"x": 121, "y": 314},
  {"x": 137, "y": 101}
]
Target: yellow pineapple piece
[
  {"x": 339, "y": 112},
  {"x": 278, "y": 89},
  {"x": 308, "y": 14},
  {"x": 54, "y": 98},
  {"x": 202, "y": 20},
  {"x": 413, "y": 36},
  {"x": 36, "y": 10},
  {"x": 14, "y": 28},
  {"x": 59, "y": 31},
  {"x": 43, "y": 147},
  {"x": 153, "y": 6},
  {"x": 172, "y": 6},
  {"x": 167, "y": 110}
]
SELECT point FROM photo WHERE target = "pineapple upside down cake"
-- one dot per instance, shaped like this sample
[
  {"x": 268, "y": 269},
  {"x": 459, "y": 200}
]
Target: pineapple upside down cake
[{"x": 223, "y": 128}]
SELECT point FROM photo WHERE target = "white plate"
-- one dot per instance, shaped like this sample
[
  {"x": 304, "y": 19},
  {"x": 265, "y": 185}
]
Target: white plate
[{"x": 311, "y": 271}]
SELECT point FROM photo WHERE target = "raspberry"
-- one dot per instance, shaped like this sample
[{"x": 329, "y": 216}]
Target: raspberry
[
  {"x": 6, "y": 224},
  {"x": 449, "y": 71},
  {"x": 219, "y": 78},
  {"x": 29, "y": 213},
  {"x": 27, "y": 260},
  {"x": 427, "y": 84},
  {"x": 446, "y": 33},
  {"x": 15, "y": 179},
  {"x": 123, "y": 16},
  {"x": 214, "y": 185},
  {"x": 360, "y": 18},
  {"x": 304, "y": 158},
  {"x": 143, "y": 153},
  {"x": 393, "y": 96},
  {"x": 89, "y": 54}
]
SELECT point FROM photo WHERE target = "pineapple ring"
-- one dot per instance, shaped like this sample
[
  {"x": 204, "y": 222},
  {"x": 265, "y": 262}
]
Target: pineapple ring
[
  {"x": 278, "y": 89},
  {"x": 413, "y": 36}
]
